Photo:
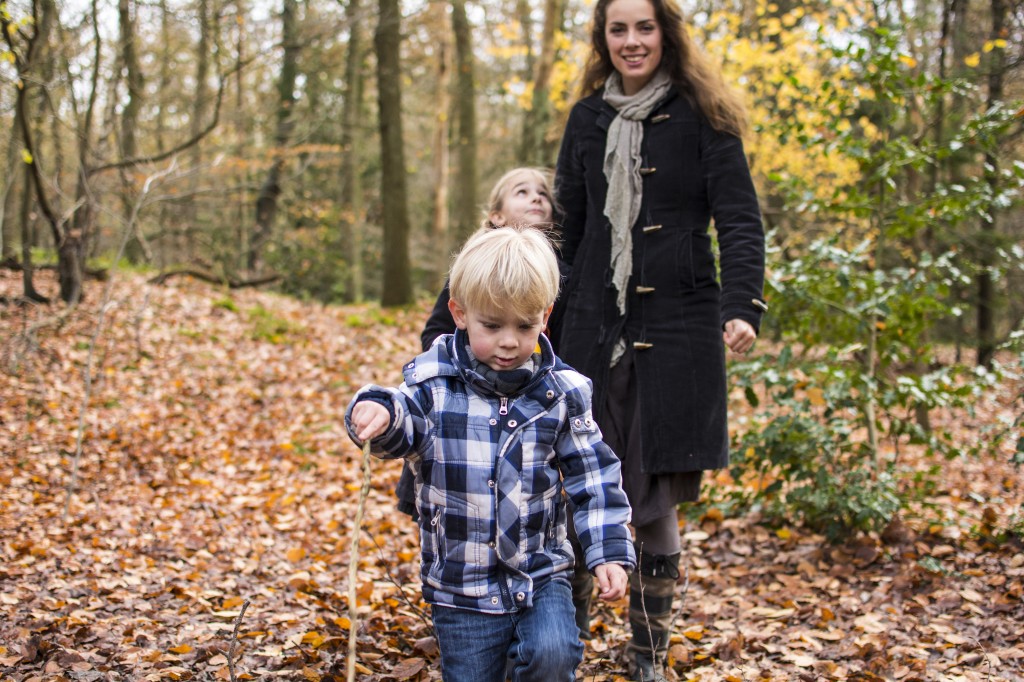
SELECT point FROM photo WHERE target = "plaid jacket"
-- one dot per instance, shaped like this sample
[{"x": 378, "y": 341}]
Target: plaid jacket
[{"x": 490, "y": 472}]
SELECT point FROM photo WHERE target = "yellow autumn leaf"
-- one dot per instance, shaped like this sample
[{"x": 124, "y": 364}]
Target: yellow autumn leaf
[
  {"x": 816, "y": 396},
  {"x": 26, "y": 156},
  {"x": 783, "y": 534},
  {"x": 314, "y": 638},
  {"x": 181, "y": 649},
  {"x": 972, "y": 60},
  {"x": 694, "y": 635},
  {"x": 908, "y": 61},
  {"x": 296, "y": 554}
]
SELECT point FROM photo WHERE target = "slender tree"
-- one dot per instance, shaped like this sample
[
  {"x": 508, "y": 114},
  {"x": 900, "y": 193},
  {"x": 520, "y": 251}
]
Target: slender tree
[
  {"x": 465, "y": 207},
  {"x": 989, "y": 223},
  {"x": 351, "y": 151},
  {"x": 136, "y": 249},
  {"x": 537, "y": 151},
  {"x": 397, "y": 287},
  {"x": 441, "y": 215},
  {"x": 266, "y": 201}
]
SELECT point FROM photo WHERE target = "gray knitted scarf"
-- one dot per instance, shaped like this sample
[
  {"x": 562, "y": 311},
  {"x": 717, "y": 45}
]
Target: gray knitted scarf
[{"x": 622, "y": 168}]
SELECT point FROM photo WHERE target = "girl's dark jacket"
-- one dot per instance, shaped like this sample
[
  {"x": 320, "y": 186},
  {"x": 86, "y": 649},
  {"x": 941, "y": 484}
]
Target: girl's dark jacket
[{"x": 677, "y": 303}]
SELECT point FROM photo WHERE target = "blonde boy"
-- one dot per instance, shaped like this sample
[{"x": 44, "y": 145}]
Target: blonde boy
[{"x": 494, "y": 432}]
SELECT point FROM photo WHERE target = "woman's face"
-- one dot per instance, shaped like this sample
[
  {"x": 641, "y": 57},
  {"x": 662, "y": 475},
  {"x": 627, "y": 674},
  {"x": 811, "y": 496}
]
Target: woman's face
[
  {"x": 634, "y": 42},
  {"x": 526, "y": 200}
]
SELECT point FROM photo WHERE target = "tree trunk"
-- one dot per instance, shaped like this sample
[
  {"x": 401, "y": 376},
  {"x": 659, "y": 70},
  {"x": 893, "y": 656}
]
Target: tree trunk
[
  {"x": 28, "y": 287},
  {"x": 465, "y": 216},
  {"x": 537, "y": 151},
  {"x": 524, "y": 13},
  {"x": 8, "y": 226},
  {"x": 29, "y": 60},
  {"x": 397, "y": 287},
  {"x": 441, "y": 216},
  {"x": 353, "y": 222},
  {"x": 266, "y": 201},
  {"x": 989, "y": 224},
  {"x": 136, "y": 249},
  {"x": 200, "y": 111}
]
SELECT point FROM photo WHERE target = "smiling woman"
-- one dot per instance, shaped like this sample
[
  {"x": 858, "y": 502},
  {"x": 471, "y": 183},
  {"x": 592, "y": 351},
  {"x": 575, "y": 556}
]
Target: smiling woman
[
  {"x": 634, "y": 42},
  {"x": 650, "y": 156}
]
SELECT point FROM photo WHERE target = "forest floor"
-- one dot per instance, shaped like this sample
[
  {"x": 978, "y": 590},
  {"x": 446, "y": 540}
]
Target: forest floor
[{"x": 178, "y": 497}]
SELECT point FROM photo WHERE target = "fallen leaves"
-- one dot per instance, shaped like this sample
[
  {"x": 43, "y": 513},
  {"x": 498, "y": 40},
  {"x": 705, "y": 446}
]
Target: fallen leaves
[{"x": 216, "y": 469}]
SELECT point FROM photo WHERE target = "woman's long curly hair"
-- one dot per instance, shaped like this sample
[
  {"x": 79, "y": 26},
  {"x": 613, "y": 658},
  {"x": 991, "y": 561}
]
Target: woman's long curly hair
[{"x": 689, "y": 68}]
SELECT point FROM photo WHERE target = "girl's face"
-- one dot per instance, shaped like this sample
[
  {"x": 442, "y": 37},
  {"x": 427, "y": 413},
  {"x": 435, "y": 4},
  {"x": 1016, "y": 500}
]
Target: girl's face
[
  {"x": 527, "y": 200},
  {"x": 634, "y": 42}
]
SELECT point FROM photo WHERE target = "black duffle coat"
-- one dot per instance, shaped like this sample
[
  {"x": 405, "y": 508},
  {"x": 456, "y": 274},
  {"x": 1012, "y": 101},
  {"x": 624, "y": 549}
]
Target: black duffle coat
[{"x": 677, "y": 300}]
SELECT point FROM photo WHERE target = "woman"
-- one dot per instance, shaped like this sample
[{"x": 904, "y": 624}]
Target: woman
[{"x": 652, "y": 152}]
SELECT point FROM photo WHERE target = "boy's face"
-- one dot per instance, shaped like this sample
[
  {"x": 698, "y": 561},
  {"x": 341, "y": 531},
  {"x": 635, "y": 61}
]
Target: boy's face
[{"x": 500, "y": 339}]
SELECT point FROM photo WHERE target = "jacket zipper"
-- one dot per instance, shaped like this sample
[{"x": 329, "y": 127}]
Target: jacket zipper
[{"x": 504, "y": 406}]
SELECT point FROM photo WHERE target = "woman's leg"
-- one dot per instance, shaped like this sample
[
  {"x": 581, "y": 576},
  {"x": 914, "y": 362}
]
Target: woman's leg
[
  {"x": 546, "y": 647},
  {"x": 474, "y": 646},
  {"x": 651, "y": 590}
]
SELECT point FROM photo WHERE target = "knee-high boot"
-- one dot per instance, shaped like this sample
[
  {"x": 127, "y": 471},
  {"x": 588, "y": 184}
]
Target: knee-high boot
[{"x": 651, "y": 591}]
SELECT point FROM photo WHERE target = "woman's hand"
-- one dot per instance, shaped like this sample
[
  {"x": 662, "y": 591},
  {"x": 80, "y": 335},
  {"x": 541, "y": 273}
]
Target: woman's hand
[
  {"x": 611, "y": 581},
  {"x": 369, "y": 419},
  {"x": 739, "y": 336}
]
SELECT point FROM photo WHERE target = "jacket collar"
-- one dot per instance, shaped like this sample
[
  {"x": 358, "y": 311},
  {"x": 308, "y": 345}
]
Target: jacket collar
[{"x": 444, "y": 359}]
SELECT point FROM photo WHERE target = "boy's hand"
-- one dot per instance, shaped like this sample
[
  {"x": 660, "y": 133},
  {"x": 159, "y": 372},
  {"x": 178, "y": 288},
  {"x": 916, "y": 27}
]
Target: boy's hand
[
  {"x": 611, "y": 581},
  {"x": 370, "y": 419}
]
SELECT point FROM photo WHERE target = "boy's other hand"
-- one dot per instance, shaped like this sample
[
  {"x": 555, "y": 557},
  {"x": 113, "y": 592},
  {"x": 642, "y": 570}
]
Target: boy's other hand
[
  {"x": 369, "y": 419},
  {"x": 611, "y": 581}
]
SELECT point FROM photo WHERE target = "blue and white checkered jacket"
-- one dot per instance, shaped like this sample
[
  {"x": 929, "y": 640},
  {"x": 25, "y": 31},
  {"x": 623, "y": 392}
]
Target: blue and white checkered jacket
[{"x": 490, "y": 472}]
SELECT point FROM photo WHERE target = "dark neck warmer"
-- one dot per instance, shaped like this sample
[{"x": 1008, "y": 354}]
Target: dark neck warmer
[{"x": 503, "y": 382}]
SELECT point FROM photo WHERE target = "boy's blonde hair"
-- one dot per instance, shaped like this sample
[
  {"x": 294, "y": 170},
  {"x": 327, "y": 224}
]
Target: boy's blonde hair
[
  {"x": 511, "y": 267},
  {"x": 505, "y": 182}
]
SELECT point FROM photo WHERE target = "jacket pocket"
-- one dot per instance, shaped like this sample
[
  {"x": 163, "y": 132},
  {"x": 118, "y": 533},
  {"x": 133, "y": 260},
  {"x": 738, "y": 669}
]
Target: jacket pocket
[{"x": 695, "y": 261}]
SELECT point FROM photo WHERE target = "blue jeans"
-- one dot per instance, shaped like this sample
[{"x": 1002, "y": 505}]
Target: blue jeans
[{"x": 538, "y": 644}]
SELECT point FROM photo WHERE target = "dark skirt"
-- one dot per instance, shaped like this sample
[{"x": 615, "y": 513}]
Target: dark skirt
[{"x": 651, "y": 496}]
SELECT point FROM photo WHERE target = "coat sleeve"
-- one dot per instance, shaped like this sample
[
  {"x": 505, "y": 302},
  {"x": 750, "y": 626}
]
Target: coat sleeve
[
  {"x": 737, "y": 216},
  {"x": 571, "y": 191},
  {"x": 440, "y": 320},
  {"x": 409, "y": 428},
  {"x": 592, "y": 477}
]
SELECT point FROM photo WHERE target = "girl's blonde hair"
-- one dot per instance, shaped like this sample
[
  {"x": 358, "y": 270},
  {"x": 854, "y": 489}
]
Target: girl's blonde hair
[
  {"x": 506, "y": 181},
  {"x": 689, "y": 68},
  {"x": 512, "y": 267}
]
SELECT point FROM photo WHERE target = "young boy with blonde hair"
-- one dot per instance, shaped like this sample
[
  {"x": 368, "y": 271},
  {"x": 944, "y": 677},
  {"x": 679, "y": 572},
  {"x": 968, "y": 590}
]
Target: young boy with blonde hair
[{"x": 494, "y": 432}]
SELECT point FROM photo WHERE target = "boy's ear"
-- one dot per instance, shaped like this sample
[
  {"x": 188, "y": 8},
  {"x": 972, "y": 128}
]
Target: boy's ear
[
  {"x": 497, "y": 219},
  {"x": 547, "y": 314},
  {"x": 458, "y": 313}
]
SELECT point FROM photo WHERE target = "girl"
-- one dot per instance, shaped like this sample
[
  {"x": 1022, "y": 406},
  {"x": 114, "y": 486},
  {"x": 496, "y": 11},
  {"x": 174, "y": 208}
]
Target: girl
[{"x": 520, "y": 196}]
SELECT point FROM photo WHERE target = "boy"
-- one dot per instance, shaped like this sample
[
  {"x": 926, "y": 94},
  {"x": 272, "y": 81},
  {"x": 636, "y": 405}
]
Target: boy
[{"x": 494, "y": 432}]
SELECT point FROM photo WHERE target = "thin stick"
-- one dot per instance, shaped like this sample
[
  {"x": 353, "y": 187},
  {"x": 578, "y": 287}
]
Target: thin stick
[
  {"x": 234, "y": 639},
  {"x": 353, "y": 564}
]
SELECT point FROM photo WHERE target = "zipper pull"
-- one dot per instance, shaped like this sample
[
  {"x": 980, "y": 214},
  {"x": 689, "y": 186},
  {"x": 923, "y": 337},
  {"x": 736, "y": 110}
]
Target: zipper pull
[{"x": 504, "y": 406}]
